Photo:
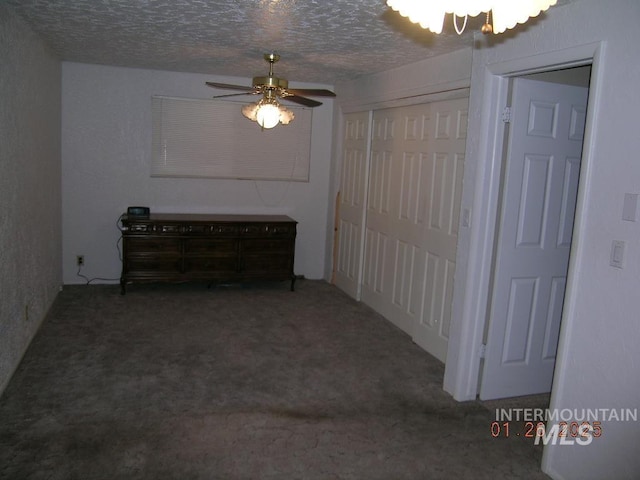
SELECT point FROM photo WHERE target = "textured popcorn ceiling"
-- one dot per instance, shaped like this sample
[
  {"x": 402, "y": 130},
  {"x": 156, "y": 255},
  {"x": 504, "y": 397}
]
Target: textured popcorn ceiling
[{"x": 322, "y": 41}]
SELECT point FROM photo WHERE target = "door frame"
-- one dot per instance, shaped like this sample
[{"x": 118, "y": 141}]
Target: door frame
[{"x": 475, "y": 250}]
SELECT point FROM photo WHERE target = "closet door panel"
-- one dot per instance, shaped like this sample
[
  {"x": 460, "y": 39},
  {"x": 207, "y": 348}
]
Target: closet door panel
[
  {"x": 396, "y": 195},
  {"x": 352, "y": 203},
  {"x": 445, "y": 163},
  {"x": 380, "y": 241}
]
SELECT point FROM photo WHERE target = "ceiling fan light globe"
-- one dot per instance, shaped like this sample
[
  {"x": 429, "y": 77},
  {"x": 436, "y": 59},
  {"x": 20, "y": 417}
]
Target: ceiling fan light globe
[
  {"x": 268, "y": 115},
  {"x": 472, "y": 8},
  {"x": 250, "y": 111},
  {"x": 286, "y": 116},
  {"x": 429, "y": 15}
]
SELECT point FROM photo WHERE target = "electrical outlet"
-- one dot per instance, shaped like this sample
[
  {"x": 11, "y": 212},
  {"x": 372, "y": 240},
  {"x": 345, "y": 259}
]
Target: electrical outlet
[{"x": 80, "y": 260}]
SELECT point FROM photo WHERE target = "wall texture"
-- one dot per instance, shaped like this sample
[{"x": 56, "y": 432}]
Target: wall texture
[
  {"x": 106, "y": 158},
  {"x": 30, "y": 193}
]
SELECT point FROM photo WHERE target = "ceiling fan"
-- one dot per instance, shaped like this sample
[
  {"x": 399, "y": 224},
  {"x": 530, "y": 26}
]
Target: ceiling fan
[{"x": 267, "y": 111}]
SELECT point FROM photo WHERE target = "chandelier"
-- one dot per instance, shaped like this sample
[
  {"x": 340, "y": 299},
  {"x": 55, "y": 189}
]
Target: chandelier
[{"x": 505, "y": 14}]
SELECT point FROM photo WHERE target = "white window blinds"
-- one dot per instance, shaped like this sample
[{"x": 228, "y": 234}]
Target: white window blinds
[{"x": 209, "y": 138}]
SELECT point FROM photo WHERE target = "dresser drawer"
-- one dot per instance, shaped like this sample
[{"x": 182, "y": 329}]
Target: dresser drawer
[
  {"x": 281, "y": 230},
  {"x": 266, "y": 246},
  {"x": 219, "y": 265},
  {"x": 224, "y": 230},
  {"x": 152, "y": 245},
  {"x": 210, "y": 246},
  {"x": 153, "y": 264},
  {"x": 269, "y": 230}
]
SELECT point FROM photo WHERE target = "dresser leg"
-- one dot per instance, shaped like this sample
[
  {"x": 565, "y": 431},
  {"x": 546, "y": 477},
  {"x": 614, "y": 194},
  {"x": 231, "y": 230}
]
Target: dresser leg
[{"x": 293, "y": 281}]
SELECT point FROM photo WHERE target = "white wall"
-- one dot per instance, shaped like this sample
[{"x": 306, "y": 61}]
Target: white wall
[
  {"x": 598, "y": 360},
  {"x": 106, "y": 155},
  {"x": 30, "y": 232},
  {"x": 410, "y": 84}
]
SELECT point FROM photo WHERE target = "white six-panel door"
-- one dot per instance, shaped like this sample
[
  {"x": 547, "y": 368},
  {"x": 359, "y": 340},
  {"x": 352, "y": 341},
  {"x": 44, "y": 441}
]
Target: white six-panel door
[
  {"x": 414, "y": 179},
  {"x": 534, "y": 239}
]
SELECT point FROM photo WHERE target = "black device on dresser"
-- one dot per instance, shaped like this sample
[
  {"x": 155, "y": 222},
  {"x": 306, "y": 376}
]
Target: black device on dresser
[
  {"x": 163, "y": 247},
  {"x": 141, "y": 212}
]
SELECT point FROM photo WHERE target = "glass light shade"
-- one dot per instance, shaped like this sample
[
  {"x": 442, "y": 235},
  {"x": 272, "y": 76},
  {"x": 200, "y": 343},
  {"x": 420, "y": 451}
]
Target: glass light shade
[
  {"x": 286, "y": 115},
  {"x": 506, "y": 13},
  {"x": 268, "y": 115},
  {"x": 250, "y": 111},
  {"x": 473, "y": 8}
]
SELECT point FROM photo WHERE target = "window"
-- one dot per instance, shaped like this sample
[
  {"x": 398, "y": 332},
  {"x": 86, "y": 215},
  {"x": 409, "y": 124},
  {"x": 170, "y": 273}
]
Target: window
[{"x": 211, "y": 138}]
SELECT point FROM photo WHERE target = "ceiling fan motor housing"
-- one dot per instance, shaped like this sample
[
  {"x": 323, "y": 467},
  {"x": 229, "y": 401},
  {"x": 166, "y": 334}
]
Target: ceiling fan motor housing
[{"x": 270, "y": 82}]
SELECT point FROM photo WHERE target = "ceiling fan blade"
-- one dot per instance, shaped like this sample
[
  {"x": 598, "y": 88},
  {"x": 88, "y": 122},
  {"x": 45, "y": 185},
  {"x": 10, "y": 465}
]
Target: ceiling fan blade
[
  {"x": 234, "y": 94},
  {"x": 307, "y": 102},
  {"x": 312, "y": 92},
  {"x": 229, "y": 86}
]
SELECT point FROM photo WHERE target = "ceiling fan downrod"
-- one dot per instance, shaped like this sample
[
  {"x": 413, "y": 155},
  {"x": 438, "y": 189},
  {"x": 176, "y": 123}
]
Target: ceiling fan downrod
[{"x": 270, "y": 82}]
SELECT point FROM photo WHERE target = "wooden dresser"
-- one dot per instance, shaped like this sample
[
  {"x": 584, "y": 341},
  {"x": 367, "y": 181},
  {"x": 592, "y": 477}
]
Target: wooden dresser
[{"x": 210, "y": 248}]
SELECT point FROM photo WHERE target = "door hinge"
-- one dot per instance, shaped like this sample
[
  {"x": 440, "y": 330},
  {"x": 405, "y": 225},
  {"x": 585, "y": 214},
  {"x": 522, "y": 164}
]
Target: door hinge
[
  {"x": 506, "y": 115},
  {"x": 483, "y": 350}
]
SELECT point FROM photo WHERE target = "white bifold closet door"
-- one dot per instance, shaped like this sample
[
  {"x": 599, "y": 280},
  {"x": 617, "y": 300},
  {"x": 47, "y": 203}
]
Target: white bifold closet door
[
  {"x": 352, "y": 202},
  {"x": 411, "y": 214}
]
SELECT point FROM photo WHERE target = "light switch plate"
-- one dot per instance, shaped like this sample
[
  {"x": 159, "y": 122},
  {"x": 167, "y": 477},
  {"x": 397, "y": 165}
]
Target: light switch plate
[
  {"x": 617, "y": 254},
  {"x": 630, "y": 207}
]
